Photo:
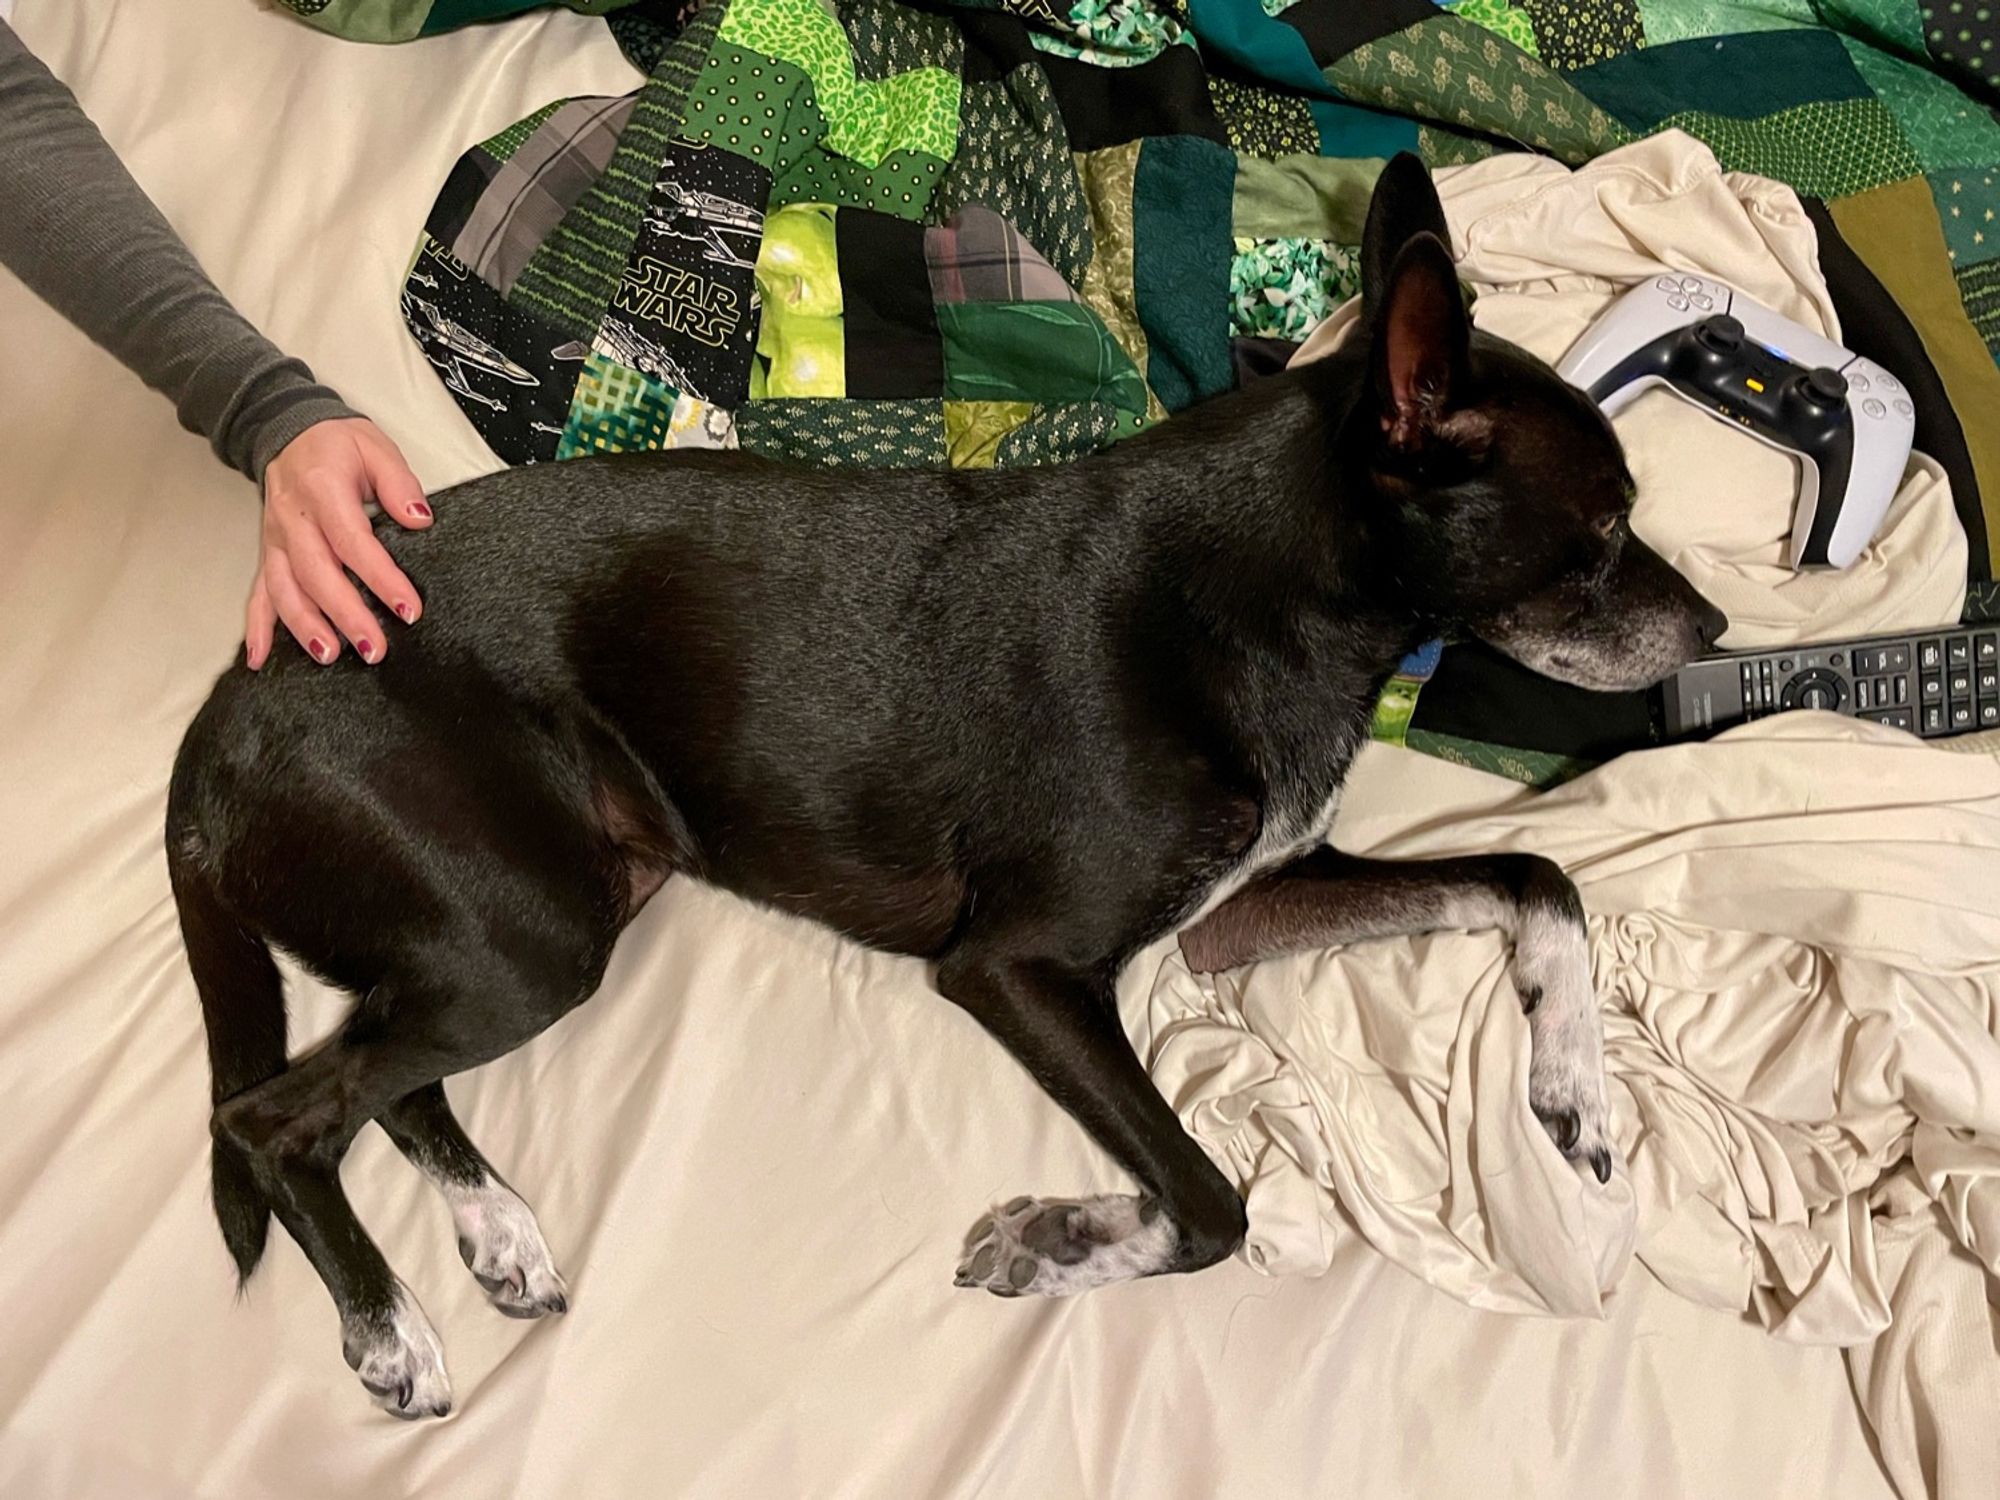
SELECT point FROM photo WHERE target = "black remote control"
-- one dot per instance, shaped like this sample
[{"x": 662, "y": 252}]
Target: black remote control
[{"x": 1932, "y": 683}]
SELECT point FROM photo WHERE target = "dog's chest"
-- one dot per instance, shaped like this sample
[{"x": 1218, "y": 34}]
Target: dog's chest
[{"x": 1282, "y": 838}]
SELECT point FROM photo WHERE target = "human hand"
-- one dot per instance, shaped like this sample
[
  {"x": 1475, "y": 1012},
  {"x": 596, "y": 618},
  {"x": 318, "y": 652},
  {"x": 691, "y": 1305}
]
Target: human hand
[{"x": 314, "y": 527}]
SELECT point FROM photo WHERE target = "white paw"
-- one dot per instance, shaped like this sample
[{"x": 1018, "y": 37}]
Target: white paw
[
  {"x": 1566, "y": 1064},
  {"x": 399, "y": 1360},
  {"x": 502, "y": 1245},
  {"x": 1057, "y": 1247}
]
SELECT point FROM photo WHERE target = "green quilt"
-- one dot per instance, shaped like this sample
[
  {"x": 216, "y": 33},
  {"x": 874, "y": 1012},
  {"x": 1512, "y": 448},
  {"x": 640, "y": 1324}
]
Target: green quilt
[{"x": 1000, "y": 232}]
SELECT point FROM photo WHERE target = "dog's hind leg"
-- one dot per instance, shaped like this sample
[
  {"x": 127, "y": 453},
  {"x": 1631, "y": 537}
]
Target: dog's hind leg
[
  {"x": 1326, "y": 898},
  {"x": 1063, "y": 1027},
  {"x": 498, "y": 1238},
  {"x": 295, "y": 1128}
]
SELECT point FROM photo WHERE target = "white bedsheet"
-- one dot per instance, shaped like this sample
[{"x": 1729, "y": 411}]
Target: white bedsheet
[{"x": 754, "y": 1152}]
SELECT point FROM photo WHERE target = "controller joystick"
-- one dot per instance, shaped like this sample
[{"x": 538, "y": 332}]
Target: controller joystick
[
  {"x": 1721, "y": 333},
  {"x": 1824, "y": 387}
]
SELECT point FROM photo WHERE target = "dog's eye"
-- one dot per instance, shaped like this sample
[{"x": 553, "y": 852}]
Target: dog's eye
[{"x": 1607, "y": 526}]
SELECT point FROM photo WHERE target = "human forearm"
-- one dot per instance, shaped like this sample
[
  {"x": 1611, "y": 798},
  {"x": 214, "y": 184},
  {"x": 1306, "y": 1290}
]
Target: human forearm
[{"x": 81, "y": 233}]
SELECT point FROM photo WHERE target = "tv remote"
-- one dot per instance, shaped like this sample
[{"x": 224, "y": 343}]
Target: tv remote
[{"x": 1933, "y": 683}]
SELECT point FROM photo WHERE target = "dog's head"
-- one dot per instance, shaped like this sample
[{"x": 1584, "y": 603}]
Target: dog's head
[{"x": 1507, "y": 491}]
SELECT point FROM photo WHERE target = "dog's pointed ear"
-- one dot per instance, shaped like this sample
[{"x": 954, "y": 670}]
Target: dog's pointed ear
[
  {"x": 1421, "y": 354},
  {"x": 1404, "y": 205}
]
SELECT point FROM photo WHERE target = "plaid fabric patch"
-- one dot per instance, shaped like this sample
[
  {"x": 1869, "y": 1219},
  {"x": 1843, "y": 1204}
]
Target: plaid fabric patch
[
  {"x": 535, "y": 186},
  {"x": 977, "y": 256}
]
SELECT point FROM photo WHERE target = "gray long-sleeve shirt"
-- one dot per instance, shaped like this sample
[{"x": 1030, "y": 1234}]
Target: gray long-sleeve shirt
[{"x": 82, "y": 234}]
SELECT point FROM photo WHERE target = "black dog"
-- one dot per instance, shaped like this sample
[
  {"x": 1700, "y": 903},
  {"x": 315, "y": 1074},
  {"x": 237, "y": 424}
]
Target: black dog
[{"x": 1019, "y": 723}]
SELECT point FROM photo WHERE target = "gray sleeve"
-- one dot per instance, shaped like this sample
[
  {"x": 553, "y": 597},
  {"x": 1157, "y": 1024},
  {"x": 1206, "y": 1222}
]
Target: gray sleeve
[{"x": 82, "y": 234}]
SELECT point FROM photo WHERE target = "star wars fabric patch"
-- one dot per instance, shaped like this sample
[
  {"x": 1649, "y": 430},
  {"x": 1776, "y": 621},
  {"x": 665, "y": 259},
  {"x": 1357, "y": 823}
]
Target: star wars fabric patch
[
  {"x": 685, "y": 310},
  {"x": 513, "y": 373}
]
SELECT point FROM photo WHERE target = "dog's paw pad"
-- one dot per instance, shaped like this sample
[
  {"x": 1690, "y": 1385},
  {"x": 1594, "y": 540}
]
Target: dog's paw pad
[
  {"x": 502, "y": 1245},
  {"x": 1058, "y": 1247},
  {"x": 399, "y": 1360}
]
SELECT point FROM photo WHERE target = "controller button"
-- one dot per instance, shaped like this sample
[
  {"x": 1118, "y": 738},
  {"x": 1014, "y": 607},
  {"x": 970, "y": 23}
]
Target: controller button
[
  {"x": 1703, "y": 301},
  {"x": 1874, "y": 408},
  {"x": 1824, "y": 387},
  {"x": 1721, "y": 333},
  {"x": 1857, "y": 381},
  {"x": 1888, "y": 381},
  {"x": 1903, "y": 408},
  {"x": 1690, "y": 283},
  {"x": 1667, "y": 284},
  {"x": 1677, "y": 302}
]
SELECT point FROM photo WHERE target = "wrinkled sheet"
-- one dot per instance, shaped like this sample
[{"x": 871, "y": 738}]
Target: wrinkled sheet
[
  {"x": 1796, "y": 932},
  {"x": 754, "y": 1153}
]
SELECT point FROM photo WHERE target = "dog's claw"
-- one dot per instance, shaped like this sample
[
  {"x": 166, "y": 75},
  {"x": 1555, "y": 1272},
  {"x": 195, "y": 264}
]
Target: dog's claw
[{"x": 1600, "y": 1163}]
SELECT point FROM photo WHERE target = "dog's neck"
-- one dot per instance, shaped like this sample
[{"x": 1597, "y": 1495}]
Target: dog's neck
[{"x": 1270, "y": 518}]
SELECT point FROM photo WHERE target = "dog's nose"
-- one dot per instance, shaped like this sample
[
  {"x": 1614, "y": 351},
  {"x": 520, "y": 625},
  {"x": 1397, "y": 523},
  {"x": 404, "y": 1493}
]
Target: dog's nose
[{"x": 1711, "y": 622}]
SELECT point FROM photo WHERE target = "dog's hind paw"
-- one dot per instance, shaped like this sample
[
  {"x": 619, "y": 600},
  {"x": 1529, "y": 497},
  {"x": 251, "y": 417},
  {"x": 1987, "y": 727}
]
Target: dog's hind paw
[
  {"x": 399, "y": 1359},
  {"x": 502, "y": 1245},
  {"x": 1057, "y": 1247}
]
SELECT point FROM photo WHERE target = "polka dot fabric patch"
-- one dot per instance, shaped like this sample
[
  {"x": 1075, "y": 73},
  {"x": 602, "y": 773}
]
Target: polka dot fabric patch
[{"x": 1964, "y": 35}]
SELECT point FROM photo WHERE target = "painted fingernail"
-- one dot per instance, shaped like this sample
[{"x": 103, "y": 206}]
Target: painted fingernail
[
  {"x": 366, "y": 647},
  {"x": 420, "y": 510},
  {"x": 321, "y": 652},
  {"x": 406, "y": 612}
]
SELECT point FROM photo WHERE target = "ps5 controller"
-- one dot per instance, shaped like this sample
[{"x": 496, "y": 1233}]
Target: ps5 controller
[{"x": 1847, "y": 421}]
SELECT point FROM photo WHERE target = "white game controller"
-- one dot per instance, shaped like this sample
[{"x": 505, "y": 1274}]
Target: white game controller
[{"x": 1845, "y": 419}]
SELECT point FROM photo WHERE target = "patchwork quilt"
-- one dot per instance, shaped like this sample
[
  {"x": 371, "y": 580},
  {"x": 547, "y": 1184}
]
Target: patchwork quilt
[{"x": 995, "y": 232}]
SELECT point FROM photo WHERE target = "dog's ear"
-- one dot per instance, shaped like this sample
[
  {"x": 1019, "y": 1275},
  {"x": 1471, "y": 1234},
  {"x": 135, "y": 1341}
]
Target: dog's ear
[
  {"x": 1421, "y": 354},
  {"x": 1404, "y": 206}
]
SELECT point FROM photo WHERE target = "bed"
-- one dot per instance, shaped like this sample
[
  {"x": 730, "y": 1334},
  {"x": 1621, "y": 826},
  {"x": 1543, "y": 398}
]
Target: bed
[{"x": 756, "y": 1151}]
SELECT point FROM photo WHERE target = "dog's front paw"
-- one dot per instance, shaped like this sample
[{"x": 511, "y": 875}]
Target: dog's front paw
[
  {"x": 1566, "y": 1086},
  {"x": 502, "y": 1245},
  {"x": 1057, "y": 1247},
  {"x": 399, "y": 1359}
]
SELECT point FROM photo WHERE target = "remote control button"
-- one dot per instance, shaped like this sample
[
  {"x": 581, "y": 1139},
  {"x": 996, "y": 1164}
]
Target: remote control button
[
  {"x": 1989, "y": 713},
  {"x": 1690, "y": 283},
  {"x": 1864, "y": 693},
  {"x": 1721, "y": 333},
  {"x": 1986, "y": 647},
  {"x": 1839, "y": 658},
  {"x": 1931, "y": 686},
  {"x": 1989, "y": 682},
  {"x": 1904, "y": 409},
  {"x": 1677, "y": 302},
  {"x": 1961, "y": 715},
  {"x": 1785, "y": 664},
  {"x": 1824, "y": 387},
  {"x": 1902, "y": 690},
  {"x": 1667, "y": 284},
  {"x": 1856, "y": 381},
  {"x": 1895, "y": 718},
  {"x": 1960, "y": 684},
  {"x": 1958, "y": 650},
  {"x": 1896, "y": 658},
  {"x": 1930, "y": 654},
  {"x": 1933, "y": 718}
]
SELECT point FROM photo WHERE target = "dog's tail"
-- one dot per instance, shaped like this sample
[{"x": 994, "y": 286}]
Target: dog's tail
[{"x": 243, "y": 1010}]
